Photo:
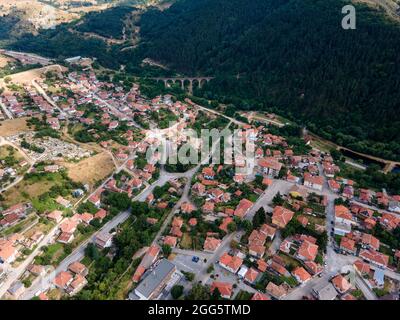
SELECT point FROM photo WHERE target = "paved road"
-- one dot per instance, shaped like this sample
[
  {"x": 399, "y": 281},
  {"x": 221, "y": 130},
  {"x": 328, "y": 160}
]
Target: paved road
[
  {"x": 48, "y": 99},
  {"x": 200, "y": 254},
  {"x": 6, "y": 111},
  {"x": 266, "y": 197},
  {"x": 79, "y": 251}
]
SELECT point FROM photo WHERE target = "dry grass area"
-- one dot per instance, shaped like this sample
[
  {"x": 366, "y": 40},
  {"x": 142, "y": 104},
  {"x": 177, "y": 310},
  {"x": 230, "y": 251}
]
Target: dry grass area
[
  {"x": 13, "y": 126},
  {"x": 91, "y": 169},
  {"x": 186, "y": 242},
  {"x": 390, "y": 7},
  {"x": 39, "y": 227},
  {"x": 26, "y": 77},
  {"x": 4, "y": 60},
  {"x": 37, "y": 12}
]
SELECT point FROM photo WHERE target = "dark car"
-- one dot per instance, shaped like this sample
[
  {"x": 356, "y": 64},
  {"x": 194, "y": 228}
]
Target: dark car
[{"x": 195, "y": 259}]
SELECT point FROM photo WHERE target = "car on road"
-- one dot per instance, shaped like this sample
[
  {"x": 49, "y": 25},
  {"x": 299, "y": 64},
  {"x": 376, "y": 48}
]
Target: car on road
[{"x": 195, "y": 259}]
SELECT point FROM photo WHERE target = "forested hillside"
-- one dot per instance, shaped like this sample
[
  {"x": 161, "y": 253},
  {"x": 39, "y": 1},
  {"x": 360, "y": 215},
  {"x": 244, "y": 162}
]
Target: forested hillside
[
  {"x": 287, "y": 56},
  {"x": 294, "y": 56},
  {"x": 108, "y": 23}
]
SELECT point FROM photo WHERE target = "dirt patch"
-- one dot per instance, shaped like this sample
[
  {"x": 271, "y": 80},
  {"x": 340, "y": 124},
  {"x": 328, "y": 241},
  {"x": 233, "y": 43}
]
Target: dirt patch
[
  {"x": 13, "y": 126},
  {"x": 90, "y": 170}
]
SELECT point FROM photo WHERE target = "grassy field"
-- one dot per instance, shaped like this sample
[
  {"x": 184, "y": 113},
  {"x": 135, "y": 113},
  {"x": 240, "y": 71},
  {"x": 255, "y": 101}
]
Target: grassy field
[
  {"x": 186, "y": 242},
  {"x": 289, "y": 260},
  {"x": 12, "y": 158},
  {"x": 25, "y": 191},
  {"x": 39, "y": 227},
  {"x": 30, "y": 190}
]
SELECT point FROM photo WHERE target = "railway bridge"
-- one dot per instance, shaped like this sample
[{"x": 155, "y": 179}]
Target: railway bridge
[{"x": 192, "y": 81}]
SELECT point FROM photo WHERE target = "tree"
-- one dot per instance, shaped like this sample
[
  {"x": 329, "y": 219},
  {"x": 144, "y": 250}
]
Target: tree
[
  {"x": 216, "y": 294},
  {"x": 189, "y": 276},
  {"x": 199, "y": 292},
  {"x": 246, "y": 225},
  {"x": 92, "y": 252},
  {"x": 166, "y": 249},
  {"x": 278, "y": 200},
  {"x": 335, "y": 154},
  {"x": 121, "y": 201},
  {"x": 232, "y": 227},
  {"x": 259, "y": 218},
  {"x": 176, "y": 291}
]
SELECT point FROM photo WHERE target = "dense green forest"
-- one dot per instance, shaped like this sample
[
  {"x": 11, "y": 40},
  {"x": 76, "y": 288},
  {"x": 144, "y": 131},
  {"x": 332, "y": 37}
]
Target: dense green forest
[
  {"x": 108, "y": 23},
  {"x": 294, "y": 58},
  {"x": 291, "y": 57},
  {"x": 7, "y": 24}
]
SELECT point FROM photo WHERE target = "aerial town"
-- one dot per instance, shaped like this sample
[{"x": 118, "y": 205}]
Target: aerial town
[{"x": 84, "y": 214}]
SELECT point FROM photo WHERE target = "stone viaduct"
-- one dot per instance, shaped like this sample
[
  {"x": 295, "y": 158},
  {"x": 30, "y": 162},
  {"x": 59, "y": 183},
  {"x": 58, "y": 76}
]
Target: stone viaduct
[{"x": 183, "y": 80}]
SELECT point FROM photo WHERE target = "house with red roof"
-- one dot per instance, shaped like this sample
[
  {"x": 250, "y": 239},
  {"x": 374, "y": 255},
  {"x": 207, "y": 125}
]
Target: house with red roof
[
  {"x": 389, "y": 221},
  {"x": 268, "y": 230},
  {"x": 224, "y": 288},
  {"x": 100, "y": 215},
  {"x": 187, "y": 207},
  {"x": 307, "y": 251},
  {"x": 211, "y": 244},
  {"x": 368, "y": 241},
  {"x": 225, "y": 222},
  {"x": 87, "y": 217},
  {"x": 55, "y": 216},
  {"x": 230, "y": 263},
  {"x": 243, "y": 208},
  {"x": 334, "y": 185},
  {"x": 251, "y": 275},
  {"x": 260, "y": 296},
  {"x": 208, "y": 207},
  {"x": 313, "y": 182},
  {"x": 281, "y": 216},
  {"x": 63, "y": 280},
  {"x": 170, "y": 241},
  {"x": 362, "y": 267},
  {"x": 269, "y": 166},
  {"x": 348, "y": 245},
  {"x": 208, "y": 173},
  {"x": 301, "y": 275},
  {"x": 341, "y": 284},
  {"x": 375, "y": 257}
]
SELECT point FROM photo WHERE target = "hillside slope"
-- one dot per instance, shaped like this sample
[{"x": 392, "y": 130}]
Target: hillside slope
[
  {"x": 294, "y": 56},
  {"x": 291, "y": 57}
]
